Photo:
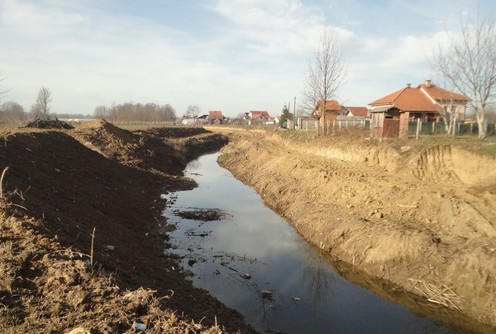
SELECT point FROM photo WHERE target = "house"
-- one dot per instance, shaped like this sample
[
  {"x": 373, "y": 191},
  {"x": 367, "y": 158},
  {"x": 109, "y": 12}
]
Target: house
[
  {"x": 331, "y": 109},
  {"x": 216, "y": 117},
  {"x": 451, "y": 102},
  {"x": 391, "y": 113},
  {"x": 258, "y": 117},
  {"x": 362, "y": 112},
  {"x": 203, "y": 119}
]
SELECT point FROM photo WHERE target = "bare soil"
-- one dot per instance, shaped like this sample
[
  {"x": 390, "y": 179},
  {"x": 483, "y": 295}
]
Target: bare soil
[
  {"x": 82, "y": 235},
  {"x": 419, "y": 221}
]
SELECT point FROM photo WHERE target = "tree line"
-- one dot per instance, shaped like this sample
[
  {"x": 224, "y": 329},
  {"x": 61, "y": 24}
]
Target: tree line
[
  {"x": 12, "y": 111},
  {"x": 148, "y": 112}
]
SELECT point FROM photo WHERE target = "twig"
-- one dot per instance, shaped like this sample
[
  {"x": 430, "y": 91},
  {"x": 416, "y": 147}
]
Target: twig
[
  {"x": 1, "y": 181},
  {"x": 92, "y": 244},
  {"x": 443, "y": 295}
]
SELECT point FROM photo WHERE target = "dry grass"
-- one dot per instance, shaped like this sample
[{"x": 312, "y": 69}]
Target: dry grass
[{"x": 441, "y": 295}]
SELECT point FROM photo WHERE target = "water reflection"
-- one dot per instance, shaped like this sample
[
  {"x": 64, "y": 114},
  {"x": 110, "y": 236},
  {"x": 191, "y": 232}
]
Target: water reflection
[{"x": 254, "y": 262}]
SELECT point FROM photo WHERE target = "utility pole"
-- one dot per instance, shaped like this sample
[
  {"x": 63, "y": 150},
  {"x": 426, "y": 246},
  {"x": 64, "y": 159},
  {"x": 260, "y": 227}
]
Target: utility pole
[{"x": 294, "y": 113}]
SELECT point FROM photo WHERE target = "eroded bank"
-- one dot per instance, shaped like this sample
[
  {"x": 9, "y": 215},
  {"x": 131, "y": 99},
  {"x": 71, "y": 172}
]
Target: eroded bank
[{"x": 419, "y": 218}]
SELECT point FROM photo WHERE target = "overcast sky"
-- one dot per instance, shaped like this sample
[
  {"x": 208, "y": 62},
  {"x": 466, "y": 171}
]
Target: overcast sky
[{"x": 228, "y": 55}]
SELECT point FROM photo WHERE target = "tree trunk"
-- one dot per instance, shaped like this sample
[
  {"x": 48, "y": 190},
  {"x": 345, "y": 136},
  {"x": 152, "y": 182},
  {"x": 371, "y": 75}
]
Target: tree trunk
[{"x": 482, "y": 125}]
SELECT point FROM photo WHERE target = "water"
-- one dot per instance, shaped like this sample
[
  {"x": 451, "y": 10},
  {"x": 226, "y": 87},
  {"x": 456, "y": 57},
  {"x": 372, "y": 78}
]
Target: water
[{"x": 254, "y": 261}]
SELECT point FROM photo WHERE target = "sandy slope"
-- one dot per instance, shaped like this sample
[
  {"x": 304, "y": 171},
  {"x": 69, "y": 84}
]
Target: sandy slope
[{"x": 423, "y": 219}]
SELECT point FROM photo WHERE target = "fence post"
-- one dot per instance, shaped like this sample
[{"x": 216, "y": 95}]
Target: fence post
[
  {"x": 418, "y": 129},
  {"x": 433, "y": 127}
]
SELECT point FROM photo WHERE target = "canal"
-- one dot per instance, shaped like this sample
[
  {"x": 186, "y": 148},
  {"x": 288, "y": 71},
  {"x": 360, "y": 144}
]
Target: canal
[{"x": 252, "y": 260}]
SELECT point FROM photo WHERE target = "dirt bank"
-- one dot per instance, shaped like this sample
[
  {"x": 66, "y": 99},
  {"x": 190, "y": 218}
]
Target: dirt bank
[
  {"x": 421, "y": 218},
  {"x": 82, "y": 237}
]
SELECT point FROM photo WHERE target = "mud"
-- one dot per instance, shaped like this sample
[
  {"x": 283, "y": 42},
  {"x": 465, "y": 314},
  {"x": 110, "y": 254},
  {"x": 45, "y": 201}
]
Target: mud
[
  {"x": 418, "y": 220},
  {"x": 82, "y": 236}
]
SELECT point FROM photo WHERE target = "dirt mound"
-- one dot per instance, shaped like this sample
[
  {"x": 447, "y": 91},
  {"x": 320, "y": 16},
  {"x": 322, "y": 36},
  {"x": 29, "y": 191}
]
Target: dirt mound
[
  {"x": 417, "y": 218},
  {"x": 165, "y": 150},
  {"x": 49, "y": 124},
  {"x": 80, "y": 231}
]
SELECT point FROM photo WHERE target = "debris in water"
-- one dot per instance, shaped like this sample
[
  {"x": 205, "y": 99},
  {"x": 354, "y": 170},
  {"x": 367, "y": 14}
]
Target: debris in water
[
  {"x": 203, "y": 214},
  {"x": 266, "y": 294},
  {"x": 246, "y": 275}
]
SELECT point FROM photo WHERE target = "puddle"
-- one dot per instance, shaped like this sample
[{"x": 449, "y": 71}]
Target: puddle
[{"x": 253, "y": 261}]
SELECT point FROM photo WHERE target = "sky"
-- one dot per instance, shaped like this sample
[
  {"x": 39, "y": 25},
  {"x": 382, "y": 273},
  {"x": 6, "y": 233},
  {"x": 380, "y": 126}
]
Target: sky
[{"x": 227, "y": 55}]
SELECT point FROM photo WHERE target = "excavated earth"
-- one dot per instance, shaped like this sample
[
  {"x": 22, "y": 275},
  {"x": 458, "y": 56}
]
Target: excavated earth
[
  {"x": 419, "y": 220},
  {"x": 82, "y": 237}
]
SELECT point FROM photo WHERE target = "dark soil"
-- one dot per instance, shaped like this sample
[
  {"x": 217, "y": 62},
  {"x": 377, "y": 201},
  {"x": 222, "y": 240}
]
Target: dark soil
[{"x": 82, "y": 236}]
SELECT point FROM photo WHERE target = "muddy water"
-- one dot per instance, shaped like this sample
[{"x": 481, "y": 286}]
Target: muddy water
[{"x": 253, "y": 261}]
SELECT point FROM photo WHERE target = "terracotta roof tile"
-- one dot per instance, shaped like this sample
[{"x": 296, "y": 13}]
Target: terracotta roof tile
[
  {"x": 439, "y": 94},
  {"x": 330, "y": 105},
  {"x": 257, "y": 114},
  {"x": 215, "y": 114},
  {"x": 408, "y": 99},
  {"x": 358, "y": 111}
]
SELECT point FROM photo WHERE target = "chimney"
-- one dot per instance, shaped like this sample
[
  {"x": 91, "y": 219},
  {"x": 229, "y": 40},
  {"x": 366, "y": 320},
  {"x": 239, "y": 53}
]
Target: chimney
[
  {"x": 408, "y": 85},
  {"x": 428, "y": 83}
]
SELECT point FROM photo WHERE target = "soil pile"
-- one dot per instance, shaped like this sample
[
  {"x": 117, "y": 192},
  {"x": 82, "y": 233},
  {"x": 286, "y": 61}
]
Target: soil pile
[
  {"x": 420, "y": 218},
  {"x": 49, "y": 124},
  {"x": 82, "y": 235}
]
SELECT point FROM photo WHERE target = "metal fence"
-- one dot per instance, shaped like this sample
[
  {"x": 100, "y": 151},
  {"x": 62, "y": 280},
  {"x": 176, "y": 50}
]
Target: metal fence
[
  {"x": 331, "y": 126},
  {"x": 425, "y": 128},
  {"x": 461, "y": 129}
]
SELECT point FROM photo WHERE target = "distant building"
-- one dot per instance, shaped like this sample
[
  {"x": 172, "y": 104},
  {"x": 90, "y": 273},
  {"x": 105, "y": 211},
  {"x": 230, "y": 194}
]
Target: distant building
[
  {"x": 258, "y": 117},
  {"x": 216, "y": 117}
]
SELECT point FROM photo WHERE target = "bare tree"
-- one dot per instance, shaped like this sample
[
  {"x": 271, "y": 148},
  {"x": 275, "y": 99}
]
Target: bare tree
[
  {"x": 192, "y": 111},
  {"x": 12, "y": 111},
  {"x": 2, "y": 91},
  {"x": 469, "y": 64},
  {"x": 325, "y": 74},
  {"x": 42, "y": 106}
]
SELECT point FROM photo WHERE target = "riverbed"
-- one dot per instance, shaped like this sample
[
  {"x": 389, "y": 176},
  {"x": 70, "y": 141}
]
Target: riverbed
[{"x": 252, "y": 260}]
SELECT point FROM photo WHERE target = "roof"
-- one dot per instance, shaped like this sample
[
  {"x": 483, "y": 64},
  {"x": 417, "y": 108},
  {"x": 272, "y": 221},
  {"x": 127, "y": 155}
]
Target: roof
[
  {"x": 258, "y": 114},
  {"x": 358, "y": 111},
  {"x": 440, "y": 94},
  {"x": 408, "y": 99},
  {"x": 215, "y": 115},
  {"x": 330, "y": 105}
]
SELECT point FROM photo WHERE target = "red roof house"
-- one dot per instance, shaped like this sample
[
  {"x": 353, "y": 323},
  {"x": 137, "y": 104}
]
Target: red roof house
[
  {"x": 215, "y": 117},
  {"x": 331, "y": 109},
  {"x": 357, "y": 111},
  {"x": 391, "y": 113}
]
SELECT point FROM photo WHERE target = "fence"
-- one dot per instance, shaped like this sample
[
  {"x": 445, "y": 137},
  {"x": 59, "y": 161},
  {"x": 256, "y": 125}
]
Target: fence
[
  {"x": 331, "y": 126},
  {"x": 425, "y": 128},
  {"x": 462, "y": 129}
]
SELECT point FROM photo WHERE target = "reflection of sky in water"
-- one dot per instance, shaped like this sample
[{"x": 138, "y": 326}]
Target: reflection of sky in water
[{"x": 255, "y": 240}]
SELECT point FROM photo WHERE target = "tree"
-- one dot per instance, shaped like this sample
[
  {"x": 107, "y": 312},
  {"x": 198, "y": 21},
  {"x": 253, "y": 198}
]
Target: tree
[
  {"x": 2, "y": 91},
  {"x": 192, "y": 111},
  {"x": 326, "y": 72},
  {"x": 42, "y": 106},
  {"x": 285, "y": 116},
  {"x": 12, "y": 111},
  {"x": 469, "y": 64}
]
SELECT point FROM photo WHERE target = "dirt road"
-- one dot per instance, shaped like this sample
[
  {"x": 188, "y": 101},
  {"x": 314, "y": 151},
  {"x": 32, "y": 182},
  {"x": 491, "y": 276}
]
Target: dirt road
[{"x": 419, "y": 218}]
